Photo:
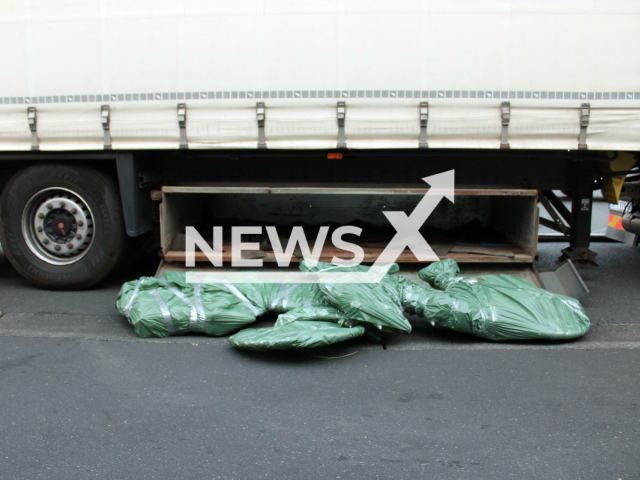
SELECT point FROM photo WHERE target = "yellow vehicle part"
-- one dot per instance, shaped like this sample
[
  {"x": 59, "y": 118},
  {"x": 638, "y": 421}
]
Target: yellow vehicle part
[{"x": 613, "y": 183}]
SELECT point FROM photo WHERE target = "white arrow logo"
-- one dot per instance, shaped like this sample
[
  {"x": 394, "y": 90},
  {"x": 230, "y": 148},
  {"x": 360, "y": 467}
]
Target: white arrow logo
[{"x": 407, "y": 227}]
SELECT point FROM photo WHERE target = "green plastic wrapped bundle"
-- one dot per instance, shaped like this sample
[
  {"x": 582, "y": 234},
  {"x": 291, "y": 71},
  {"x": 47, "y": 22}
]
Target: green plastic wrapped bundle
[
  {"x": 166, "y": 305},
  {"x": 496, "y": 307},
  {"x": 377, "y": 305},
  {"x": 295, "y": 335}
]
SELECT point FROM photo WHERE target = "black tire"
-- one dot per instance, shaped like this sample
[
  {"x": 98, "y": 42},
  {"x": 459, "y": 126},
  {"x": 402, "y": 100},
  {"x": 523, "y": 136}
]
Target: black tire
[{"x": 99, "y": 253}]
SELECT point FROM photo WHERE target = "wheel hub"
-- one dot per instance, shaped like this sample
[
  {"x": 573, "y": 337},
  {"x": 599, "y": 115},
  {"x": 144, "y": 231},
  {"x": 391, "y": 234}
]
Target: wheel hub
[{"x": 58, "y": 226}]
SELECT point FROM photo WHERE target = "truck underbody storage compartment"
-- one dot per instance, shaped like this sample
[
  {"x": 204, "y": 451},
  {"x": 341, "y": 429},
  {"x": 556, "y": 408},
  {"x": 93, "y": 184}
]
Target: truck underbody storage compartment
[{"x": 483, "y": 225}]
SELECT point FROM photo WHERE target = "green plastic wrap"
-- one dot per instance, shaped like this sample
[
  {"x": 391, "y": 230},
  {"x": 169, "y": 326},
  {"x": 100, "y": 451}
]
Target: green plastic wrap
[
  {"x": 377, "y": 305},
  {"x": 160, "y": 307},
  {"x": 279, "y": 298},
  {"x": 299, "y": 334},
  {"x": 310, "y": 313},
  {"x": 496, "y": 307},
  {"x": 167, "y": 305}
]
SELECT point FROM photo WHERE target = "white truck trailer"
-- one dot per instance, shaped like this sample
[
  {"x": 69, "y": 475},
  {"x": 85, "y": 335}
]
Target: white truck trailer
[{"x": 341, "y": 105}]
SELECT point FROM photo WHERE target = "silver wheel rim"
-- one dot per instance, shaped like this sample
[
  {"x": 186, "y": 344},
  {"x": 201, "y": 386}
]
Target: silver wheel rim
[{"x": 58, "y": 226}]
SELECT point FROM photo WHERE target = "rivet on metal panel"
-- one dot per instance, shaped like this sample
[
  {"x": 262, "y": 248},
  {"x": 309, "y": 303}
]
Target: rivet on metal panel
[
  {"x": 585, "y": 113},
  {"x": 341, "y": 112},
  {"x": 31, "y": 117},
  {"x": 261, "y": 113},
  {"x": 182, "y": 122},
  {"x": 506, "y": 118},
  {"x": 105, "y": 113},
  {"x": 424, "y": 118}
]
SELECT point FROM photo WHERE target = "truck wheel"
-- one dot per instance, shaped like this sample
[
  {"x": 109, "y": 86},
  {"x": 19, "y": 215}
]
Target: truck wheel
[{"x": 62, "y": 225}]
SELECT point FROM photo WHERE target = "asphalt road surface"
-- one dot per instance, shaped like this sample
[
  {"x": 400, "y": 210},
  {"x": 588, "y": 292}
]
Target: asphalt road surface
[{"x": 83, "y": 397}]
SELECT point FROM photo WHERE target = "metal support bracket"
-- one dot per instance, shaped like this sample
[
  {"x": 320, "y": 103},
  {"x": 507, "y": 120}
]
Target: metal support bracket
[
  {"x": 582, "y": 257},
  {"x": 32, "y": 119},
  {"x": 557, "y": 224},
  {"x": 557, "y": 205},
  {"x": 506, "y": 118},
  {"x": 261, "y": 114},
  {"x": 585, "y": 113},
  {"x": 342, "y": 112},
  {"x": 105, "y": 113},
  {"x": 182, "y": 122},
  {"x": 424, "y": 118}
]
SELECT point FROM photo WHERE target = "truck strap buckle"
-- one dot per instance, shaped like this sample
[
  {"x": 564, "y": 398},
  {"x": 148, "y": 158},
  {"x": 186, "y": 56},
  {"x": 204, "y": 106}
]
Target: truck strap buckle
[
  {"x": 182, "y": 122},
  {"x": 261, "y": 114},
  {"x": 341, "y": 113},
  {"x": 424, "y": 118},
  {"x": 506, "y": 119},
  {"x": 105, "y": 113},
  {"x": 585, "y": 113},
  {"x": 32, "y": 119}
]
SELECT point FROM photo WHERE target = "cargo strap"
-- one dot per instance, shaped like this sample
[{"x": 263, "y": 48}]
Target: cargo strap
[
  {"x": 32, "y": 119},
  {"x": 506, "y": 119},
  {"x": 127, "y": 308},
  {"x": 585, "y": 113},
  {"x": 182, "y": 122},
  {"x": 241, "y": 297},
  {"x": 166, "y": 314},
  {"x": 284, "y": 294},
  {"x": 261, "y": 117},
  {"x": 424, "y": 118},
  {"x": 342, "y": 112},
  {"x": 105, "y": 112},
  {"x": 193, "y": 314}
]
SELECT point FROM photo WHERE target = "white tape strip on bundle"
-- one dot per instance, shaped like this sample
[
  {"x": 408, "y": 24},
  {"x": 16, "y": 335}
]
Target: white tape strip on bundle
[
  {"x": 166, "y": 314},
  {"x": 240, "y": 296},
  {"x": 284, "y": 294},
  {"x": 199, "y": 307},
  {"x": 127, "y": 308},
  {"x": 193, "y": 314}
]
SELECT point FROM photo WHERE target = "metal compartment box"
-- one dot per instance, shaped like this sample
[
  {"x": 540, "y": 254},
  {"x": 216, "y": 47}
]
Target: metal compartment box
[{"x": 511, "y": 214}]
